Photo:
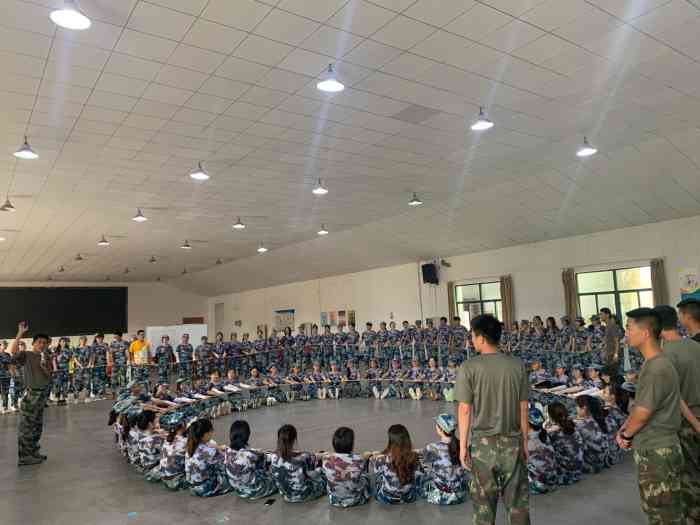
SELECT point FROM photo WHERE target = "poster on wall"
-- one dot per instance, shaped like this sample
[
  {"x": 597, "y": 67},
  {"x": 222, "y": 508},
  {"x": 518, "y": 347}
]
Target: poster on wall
[
  {"x": 351, "y": 317},
  {"x": 284, "y": 319},
  {"x": 324, "y": 318},
  {"x": 689, "y": 283},
  {"x": 342, "y": 319},
  {"x": 333, "y": 318}
]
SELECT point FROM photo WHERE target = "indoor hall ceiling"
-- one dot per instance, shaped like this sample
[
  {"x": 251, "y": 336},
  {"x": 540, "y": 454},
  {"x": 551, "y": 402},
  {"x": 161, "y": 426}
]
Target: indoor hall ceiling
[{"x": 122, "y": 112}]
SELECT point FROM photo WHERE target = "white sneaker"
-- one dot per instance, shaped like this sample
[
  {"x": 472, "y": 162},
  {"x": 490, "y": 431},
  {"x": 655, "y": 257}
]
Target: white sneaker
[
  {"x": 375, "y": 391},
  {"x": 385, "y": 393}
]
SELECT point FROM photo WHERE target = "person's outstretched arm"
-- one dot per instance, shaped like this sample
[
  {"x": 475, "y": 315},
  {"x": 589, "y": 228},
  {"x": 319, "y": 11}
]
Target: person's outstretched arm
[{"x": 21, "y": 332}]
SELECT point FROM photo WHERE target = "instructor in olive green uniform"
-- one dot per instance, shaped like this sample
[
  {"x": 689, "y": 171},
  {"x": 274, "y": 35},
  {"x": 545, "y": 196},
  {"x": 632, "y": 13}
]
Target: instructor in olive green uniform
[
  {"x": 492, "y": 391},
  {"x": 653, "y": 424},
  {"x": 36, "y": 377}
]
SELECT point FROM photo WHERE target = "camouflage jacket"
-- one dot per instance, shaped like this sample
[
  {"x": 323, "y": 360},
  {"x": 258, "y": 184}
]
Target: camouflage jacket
[
  {"x": 292, "y": 477},
  {"x": 387, "y": 480},
  {"x": 203, "y": 464},
  {"x": 172, "y": 460},
  {"x": 346, "y": 475},
  {"x": 439, "y": 468},
  {"x": 541, "y": 464},
  {"x": 245, "y": 469},
  {"x": 149, "y": 447}
]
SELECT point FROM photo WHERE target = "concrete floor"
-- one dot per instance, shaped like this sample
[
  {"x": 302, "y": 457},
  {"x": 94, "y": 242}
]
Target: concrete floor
[{"x": 85, "y": 481}]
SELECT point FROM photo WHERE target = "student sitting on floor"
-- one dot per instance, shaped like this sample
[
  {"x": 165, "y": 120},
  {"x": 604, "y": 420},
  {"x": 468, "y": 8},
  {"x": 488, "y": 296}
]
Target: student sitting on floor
[
  {"x": 245, "y": 467},
  {"x": 567, "y": 444},
  {"x": 445, "y": 481},
  {"x": 414, "y": 377},
  {"x": 346, "y": 473},
  {"x": 590, "y": 422},
  {"x": 296, "y": 474},
  {"x": 372, "y": 375},
  {"x": 397, "y": 470},
  {"x": 204, "y": 464},
  {"x": 541, "y": 461},
  {"x": 150, "y": 442},
  {"x": 172, "y": 460}
]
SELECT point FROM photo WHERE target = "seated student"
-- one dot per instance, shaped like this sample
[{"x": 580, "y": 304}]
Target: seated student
[
  {"x": 333, "y": 381},
  {"x": 537, "y": 373},
  {"x": 414, "y": 377},
  {"x": 372, "y": 375},
  {"x": 567, "y": 444},
  {"x": 204, "y": 463},
  {"x": 449, "y": 377},
  {"x": 132, "y": 438},
  {"x": 273, "y": 381},
  {"x": 593, "y": 376},
  {"x": 172, "y": 459},
  {"x": 346, "y": 473},
  {"x": 296, "y": 474},
  {"x": 216, "y": 385},
  {"x": 295, "y": 379},
  {"x": 246, "y": 467},
  {"x": 162, "y": 393},
  {"x": 560, "y": 377},
  {"x": 541, "y": 462},
  {"x": 256, "y": 384},
  {"x": 433, "y": 377},
  {"x": 445, "y": 481},
  {"x": 614, "y": 398},
  {"x": 397, "y": 471},
  {"x": 393, "y": 386},
  {"x": 578, "y": 380},
  {"x": 314, "y": 380},
  {"x": 351, "y": 381},
  {"x": 590, "y": 422},
  {"x": 150, "y": 443}
]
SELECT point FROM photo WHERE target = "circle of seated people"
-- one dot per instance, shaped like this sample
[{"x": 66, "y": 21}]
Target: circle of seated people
[{"x": 168, "y": 438}]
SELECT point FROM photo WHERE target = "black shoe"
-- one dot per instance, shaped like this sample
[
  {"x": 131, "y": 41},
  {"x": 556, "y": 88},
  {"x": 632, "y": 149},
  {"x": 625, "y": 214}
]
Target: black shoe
[
  {"x": 42, "y": 457},
  {"x": 30, "y": 460}
]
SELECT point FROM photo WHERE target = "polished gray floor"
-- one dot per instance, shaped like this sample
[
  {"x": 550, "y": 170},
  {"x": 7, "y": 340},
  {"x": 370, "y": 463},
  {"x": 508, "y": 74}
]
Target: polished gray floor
[{"x": 85, "y": 481}]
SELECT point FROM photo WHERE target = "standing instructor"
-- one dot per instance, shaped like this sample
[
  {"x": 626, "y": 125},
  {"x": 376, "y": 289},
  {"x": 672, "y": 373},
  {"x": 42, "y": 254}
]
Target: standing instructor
[
  {"x": 36, "y": 377},
  {"x": 492, "y": 391}
]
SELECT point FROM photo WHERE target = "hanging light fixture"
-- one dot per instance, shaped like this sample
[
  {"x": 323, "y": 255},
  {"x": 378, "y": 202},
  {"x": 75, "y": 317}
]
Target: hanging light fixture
[
  {"x": 70, "y": 17},
  {"x": 199, "y": 173},
  {"x": 323, "y": 230},
  {"x": 25, "y": 152},
  {"x": 238, "y": 225},
  {"x": 261, "y": 248},
  {"x": 482, "y": 123},
  {"x": 61, "y": 269},
  {"x": 8, "y": 206},
  {"x": 153, "y": 259},
  {"x": 320, "y": 189},
  {"x": 50, "y": 278},
  {"x": 186, "y": 245},
  {"x": 219, "y": 261},
  {"x": 79, "y": 258},
  {"x": 139, "y": 217},
  {"x": 126, "y": 270},
  {"x": 329, "y": 82},
  {"x": 184, "y": 270},
  {"x": 158, "y": 278},
  {"x": 415, "y": 201},
  {"x": 108, "y": 278},
  {"x": 103, "y": 241},
  {"x": 586, "y": 150}
]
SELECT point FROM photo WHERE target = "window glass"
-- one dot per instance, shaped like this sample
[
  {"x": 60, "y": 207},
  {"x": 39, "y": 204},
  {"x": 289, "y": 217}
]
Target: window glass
[
  {"x": 467, "y": 292},
  {"x": 628, "y": 301},
  {"x": 634, "y": 278},
  {"x": 595, "y": 282},
  {"x": 491, "y": 291},
  {"x": 646, "y": 299},
  {"x": 490, "y": 308},
  {"x": 607, "y": 300},
  {"x": 588, "y": 306}
]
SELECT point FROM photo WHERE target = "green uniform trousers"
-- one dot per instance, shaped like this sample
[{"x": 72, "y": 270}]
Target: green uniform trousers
[{"x": 659, "y": 471}]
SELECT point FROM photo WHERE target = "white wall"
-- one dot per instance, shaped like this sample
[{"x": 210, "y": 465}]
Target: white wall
[
  {"x": 536, "y": 270},
  {"x": 153, "y": 304}
]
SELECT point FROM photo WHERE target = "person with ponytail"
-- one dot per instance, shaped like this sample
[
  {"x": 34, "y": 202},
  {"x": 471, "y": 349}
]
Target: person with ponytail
[
  {"x": 150, "y": 442},
  {"x": 541, "y": 459},
  {"x": 204, "y": 463},
  {"x": 446, "y": 481},
  {"x": 172, "y": 459},
  {"x": 567, "y": 444},
  {"x": 246, "y": 467},
  {"x": 398, "y": 475},
  {"x": 613, "y": 396},
  {"x": 591, "y": 424},
  {"x": 297, "y": 474},
  {"x": 346, "y": 473}
]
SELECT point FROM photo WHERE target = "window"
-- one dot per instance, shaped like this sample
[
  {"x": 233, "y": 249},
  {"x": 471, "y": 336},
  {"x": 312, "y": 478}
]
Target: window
[
  {"x": 476, "y": 299},
  {"x": 620, "y": 290}
]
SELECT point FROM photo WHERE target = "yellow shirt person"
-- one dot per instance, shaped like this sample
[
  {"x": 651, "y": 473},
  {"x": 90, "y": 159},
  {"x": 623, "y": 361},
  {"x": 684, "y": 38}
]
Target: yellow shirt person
[{"x": 139, "y": 350}]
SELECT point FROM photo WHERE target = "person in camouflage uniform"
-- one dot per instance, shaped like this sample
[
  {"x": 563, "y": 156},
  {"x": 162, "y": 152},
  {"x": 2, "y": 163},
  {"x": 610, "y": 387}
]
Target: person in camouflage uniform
[
  {"x": 492, "y": 390},
  {"x": 432, "y": 381},
  {"x": 653, "y": 424},
  {"x": 246, "y": 468},
  {"x": 351, "y": 381},
  {"x": 204, "y": 463},
  {"x": 297, "y": 474},
  {"x": 5, "y": 377},
  {"x": 393, "y": 385},
  {"x": 445, "y": 481},
  {"x": 81, "y": 376},
  {"x": 150, "y": 443},
  {"x": 171, "y": 471},
  {"x": 372, "y": 375},
  {"x": 567, "y": 443},
  {"x": 98, "y": 363},
  {"x": 397, "y": 470},
  {"x": 61, "y": 363},
  {"x": 203, "y": 355},
  {"x": 184, "y": 354},
  {"x": 590, "y": 422},
  {"x": 346, "y": 473},
  {"x": 164, "y": 356},
  {"x": 118, "y": 352},
  {"x": 541, "y": 461}
]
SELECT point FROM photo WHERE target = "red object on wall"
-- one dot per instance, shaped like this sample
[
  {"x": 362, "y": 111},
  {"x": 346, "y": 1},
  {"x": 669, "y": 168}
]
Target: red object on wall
[{"x": 193, "y": 320}]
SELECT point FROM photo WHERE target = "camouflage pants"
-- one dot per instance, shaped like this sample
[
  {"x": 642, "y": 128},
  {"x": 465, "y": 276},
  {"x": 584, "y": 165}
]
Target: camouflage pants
[
  {"x": 118, "y": 377},
  {"x": 31, "y": 422},
  {"x": 5, "y": 392},
  {"x": 659, "y": 471},
  {"x": 690, "y": 475},
  {"x": 99, "y": 379},
  {"x": 498, "y": 468}
]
